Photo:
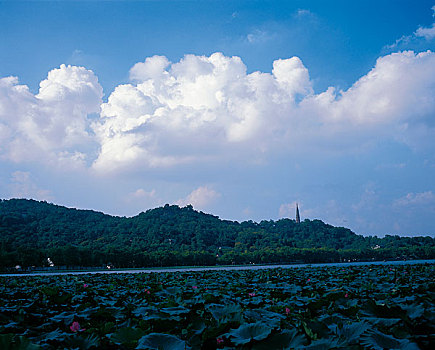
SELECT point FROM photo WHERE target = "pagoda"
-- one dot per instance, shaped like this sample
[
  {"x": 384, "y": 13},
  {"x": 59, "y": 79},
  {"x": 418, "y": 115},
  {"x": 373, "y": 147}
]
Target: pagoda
[{"x": 298, "y": 218}]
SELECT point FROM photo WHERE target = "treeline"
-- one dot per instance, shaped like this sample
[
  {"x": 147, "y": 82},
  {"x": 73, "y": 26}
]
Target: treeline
[{"x": 32, "y": 231}]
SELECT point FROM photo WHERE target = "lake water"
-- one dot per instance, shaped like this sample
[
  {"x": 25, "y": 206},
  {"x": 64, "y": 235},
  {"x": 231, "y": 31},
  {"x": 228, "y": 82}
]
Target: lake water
[{"x": 221, "y": 268}]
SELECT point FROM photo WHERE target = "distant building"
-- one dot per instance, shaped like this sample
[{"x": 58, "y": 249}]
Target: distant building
[{"x": 298, "y": 218}]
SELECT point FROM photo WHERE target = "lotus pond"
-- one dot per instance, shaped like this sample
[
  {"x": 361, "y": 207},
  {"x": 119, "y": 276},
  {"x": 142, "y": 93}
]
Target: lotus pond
[{"x": 353, "y": 307}]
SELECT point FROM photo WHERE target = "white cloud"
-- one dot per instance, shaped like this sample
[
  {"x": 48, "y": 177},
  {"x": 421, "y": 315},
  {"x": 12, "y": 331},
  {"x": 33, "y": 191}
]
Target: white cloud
[
  {"x": 195, "y": 109},
  {"x": 426, "y": 32},
  {"x": 422, "y": 198},
  {"x": 422, "y": 33},
  {"x": 51, "y": 125},
  {"x": 200, "y": 198},
  {"x": 153, "y": 68},
  {"x": 400, "y": 87},
  {"x": 204, "y": 109},
  {"x": 393, "y": 100},
  {"x": 22, "y": 186}
]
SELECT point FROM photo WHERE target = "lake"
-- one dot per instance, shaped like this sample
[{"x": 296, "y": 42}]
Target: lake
[{"x": 220, "y": 268}]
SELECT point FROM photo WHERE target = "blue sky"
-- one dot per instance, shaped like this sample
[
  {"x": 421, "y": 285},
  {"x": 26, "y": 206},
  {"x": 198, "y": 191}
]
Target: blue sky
[{"x": 241, "y": 108}]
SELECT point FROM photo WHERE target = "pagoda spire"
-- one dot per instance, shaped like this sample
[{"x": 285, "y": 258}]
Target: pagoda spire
[{"x": 298, "y": 218}]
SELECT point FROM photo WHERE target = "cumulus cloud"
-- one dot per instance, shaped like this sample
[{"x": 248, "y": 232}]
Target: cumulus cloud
[
  {"x": 393, "y": 100},
  {"x": 422, "y": 198},
  {"x": 53, "y": 123},
  {"x": 200, "y": 198},
  {"x": 190, "y": 110},
  {"x": 208, "y": 108},
  {"x": 397, "y": 89}
]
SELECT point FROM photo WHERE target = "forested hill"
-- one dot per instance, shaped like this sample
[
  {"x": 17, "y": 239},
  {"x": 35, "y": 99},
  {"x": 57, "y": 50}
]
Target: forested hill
[{"x": 31, "y": 231}]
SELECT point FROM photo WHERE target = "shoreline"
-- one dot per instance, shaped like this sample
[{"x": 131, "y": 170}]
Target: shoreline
[{"x": 210, "y": 268}]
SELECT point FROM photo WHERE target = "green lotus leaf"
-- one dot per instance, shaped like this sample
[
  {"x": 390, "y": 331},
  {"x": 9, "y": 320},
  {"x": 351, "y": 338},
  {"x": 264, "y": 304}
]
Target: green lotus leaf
[
  {"x": 378, "y": 309},
  {"x": 11, "y": 326},
  {"x": 385, "y": 322},
  {"x": 141, "y": 311},
  {"x": 226, "y": 313},
  {"x": 247, "y": 332},
  {"x": 116, "y": 312},
  {"x": 197, "y": 326},
  {"x": 413, "y": 311},
  {"x": 49, "y": 291},
  {"x": 287, "y": 339},
  {"x": 322, "y": 344},
  {"x": 172, "y": 290},
  {"x": 88, "y": 312},
  {"x": 84, "y": 343},
  {"x": 5, "y": 340},
  {"x": 315, "y": 329},
  {"x": 62, "y": 298},
  {"x": 379, "y": 341},
  {"x": 160, "y": 341},
  {"x": 54, "y": 335},
  {"x": 151, "y": 313},
  {"x": 12, "y": 342},
  {"x": 127, "y": 335},
  {"x": 269, "y": 317},
  {"x": 291, "y": 289},
  {"x": 65, "y": 317},
  {"x": 351, "y": 332},
  {"x": 178, "y": 310}
]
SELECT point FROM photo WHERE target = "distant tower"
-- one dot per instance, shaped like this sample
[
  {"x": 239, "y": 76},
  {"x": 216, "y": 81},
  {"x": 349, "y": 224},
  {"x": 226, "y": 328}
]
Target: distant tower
[{"x": 298, "y": 218}]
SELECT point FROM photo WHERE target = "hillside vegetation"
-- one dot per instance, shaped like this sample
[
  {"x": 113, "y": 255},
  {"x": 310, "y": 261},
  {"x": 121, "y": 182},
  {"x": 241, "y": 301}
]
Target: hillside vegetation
[{"x": 32, "y": 231}]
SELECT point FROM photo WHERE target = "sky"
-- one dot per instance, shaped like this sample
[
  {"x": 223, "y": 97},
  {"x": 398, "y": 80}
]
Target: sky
[{"x": 240, "y": 108}]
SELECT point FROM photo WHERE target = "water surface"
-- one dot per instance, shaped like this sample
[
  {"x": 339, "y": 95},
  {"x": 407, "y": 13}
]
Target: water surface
[{"x": 220, "y": 268}]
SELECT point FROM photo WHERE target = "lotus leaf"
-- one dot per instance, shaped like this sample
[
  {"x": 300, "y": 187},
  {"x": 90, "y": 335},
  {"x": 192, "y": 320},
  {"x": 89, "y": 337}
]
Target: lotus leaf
[
  {"x": 160, "y": 341},
  {"x": 380, "y": 341},
  {"x": 127, "y": 335},
  {"x": 287, "y": 339},
  {"x": 248, "y": 332},
  {"x": 84, "y": 343}
]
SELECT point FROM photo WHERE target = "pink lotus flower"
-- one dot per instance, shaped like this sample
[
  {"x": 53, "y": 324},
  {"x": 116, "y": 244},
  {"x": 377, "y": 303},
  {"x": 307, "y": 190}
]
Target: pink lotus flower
[
  {"x": 75, "y": 327},
  {"x": 147, "y": 291},
  {"x": 287, "y": 311},
  {"x": 251, "y": 294},
  {"x": 219, "y": 341},
  {"x": 346, "y": 295},
  {"x": 194, "y": 287},
  {"x": 308, "y": 280},
  {"x": 85, "y": 286}
]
